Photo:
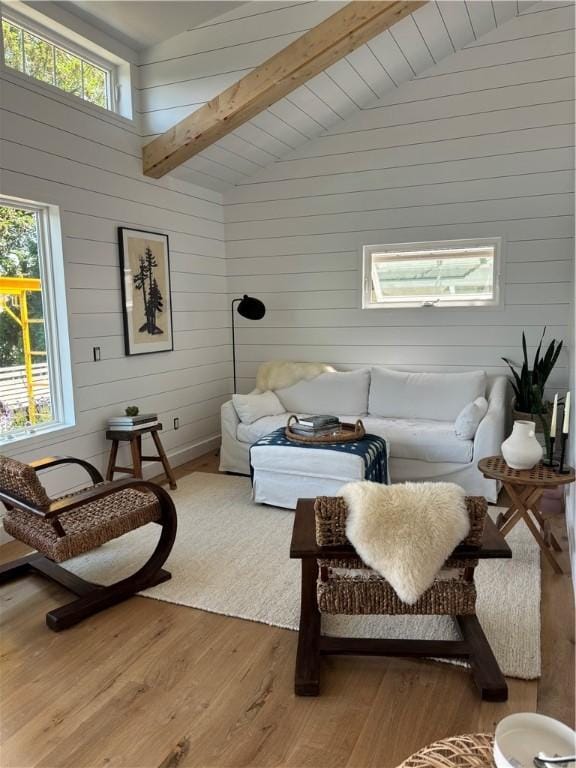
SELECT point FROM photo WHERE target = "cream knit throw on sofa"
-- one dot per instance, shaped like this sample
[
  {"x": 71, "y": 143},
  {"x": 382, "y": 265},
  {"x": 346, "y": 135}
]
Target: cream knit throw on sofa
[{"x": 406, "y": 531}]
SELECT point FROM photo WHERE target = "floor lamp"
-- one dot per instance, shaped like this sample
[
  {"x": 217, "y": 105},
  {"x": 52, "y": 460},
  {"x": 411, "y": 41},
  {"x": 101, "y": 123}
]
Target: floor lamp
[{"x": 251, "y": 309}]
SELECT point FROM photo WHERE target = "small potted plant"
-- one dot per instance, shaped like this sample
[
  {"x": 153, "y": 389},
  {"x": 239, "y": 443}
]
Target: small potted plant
[{"x": 529, "y": 383}]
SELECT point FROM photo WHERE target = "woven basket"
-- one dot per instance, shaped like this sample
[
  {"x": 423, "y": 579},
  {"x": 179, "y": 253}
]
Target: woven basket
[
  {"x": 331, "y": 513},
  {"x": 473, "y": 750},
  {"x": 347, "y": 433},
  {"x": 373, "y": 596}
]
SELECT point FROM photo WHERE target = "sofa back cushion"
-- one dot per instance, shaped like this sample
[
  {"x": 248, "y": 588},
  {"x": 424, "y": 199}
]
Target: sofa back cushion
[
  {"x": 407, "y": 395},
  {"x": 336, "y": 393}
]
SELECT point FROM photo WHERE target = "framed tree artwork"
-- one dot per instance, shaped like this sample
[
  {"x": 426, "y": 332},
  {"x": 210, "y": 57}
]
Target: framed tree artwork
[{"x": 146, "y": 298}]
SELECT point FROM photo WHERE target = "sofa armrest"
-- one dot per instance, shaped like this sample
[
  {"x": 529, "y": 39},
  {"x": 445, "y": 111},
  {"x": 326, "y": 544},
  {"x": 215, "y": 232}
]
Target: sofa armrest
[
  {"x": 493, "y": 428},
  {"x": 229, "y": 419}
]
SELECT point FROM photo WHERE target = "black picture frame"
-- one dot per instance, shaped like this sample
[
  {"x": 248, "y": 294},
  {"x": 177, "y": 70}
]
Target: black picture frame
[{"x": 146, "y": 291}]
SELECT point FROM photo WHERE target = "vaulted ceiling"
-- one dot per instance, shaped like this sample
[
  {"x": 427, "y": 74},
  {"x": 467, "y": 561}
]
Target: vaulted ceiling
[
  {"x": 142, "y": 23},
  {"x": 178, "y": 76}
]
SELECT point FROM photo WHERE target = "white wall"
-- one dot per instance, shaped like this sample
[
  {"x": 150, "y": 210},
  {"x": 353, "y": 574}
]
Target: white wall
[
  {"x": 480, "y": 145},
  {"x": 88, "y": 162}
]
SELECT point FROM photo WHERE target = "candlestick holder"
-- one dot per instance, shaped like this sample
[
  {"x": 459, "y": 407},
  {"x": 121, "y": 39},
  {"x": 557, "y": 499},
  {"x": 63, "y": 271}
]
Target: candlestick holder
[
  {"x": 549, "y": 462},
  {"x": 561, "y": 470}
]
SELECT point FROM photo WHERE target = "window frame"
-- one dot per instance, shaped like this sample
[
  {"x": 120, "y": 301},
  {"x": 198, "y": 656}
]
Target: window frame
[
  {"x": 57, "y": 40},
  {"x": 368, "y": 252},
  {"x": 55, "y": 315}
]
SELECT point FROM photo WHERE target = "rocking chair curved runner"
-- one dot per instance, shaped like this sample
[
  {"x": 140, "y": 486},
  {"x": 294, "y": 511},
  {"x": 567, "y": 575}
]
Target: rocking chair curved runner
[{"x": 72, "y": 525}]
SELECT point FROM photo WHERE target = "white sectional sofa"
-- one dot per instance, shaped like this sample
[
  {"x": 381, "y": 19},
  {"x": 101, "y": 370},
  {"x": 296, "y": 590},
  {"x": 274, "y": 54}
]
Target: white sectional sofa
[{"x": 415, "y": 412}]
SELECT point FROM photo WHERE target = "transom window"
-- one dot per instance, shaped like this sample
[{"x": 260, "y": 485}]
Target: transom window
[
  {"x": 35, "y": 378},
  {"x": 35, "y": 55},
  {"x": 441, "y": 274}
]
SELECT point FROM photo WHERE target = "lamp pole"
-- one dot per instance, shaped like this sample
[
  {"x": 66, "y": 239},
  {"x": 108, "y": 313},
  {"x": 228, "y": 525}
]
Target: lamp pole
[
  {"x": 234, "y": 342},
  {"x": 252, "y": 309}
]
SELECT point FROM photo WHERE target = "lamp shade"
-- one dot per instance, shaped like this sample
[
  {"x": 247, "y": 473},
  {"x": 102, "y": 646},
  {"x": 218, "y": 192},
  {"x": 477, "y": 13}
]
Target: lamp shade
[{"x": 251, "y": 308}]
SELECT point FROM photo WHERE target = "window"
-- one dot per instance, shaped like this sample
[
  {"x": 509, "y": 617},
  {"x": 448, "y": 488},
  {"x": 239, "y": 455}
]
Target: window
[
  {"x": 35, "y": 387},
  {"x": 456, "y": 273},
  {"x": 35, "y": 55}
]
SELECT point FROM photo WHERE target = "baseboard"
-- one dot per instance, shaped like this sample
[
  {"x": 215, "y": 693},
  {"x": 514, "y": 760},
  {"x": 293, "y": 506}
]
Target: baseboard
[{"x": 183, "y": 455}]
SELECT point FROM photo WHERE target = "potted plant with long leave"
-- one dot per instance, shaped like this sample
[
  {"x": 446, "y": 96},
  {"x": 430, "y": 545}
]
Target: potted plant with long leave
[{"x": 529, "y": 383}]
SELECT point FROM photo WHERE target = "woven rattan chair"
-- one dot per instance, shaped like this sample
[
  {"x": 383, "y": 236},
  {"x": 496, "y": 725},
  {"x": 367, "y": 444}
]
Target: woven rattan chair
[
  {"x": 72, "y": 525},
  {"x": 336, "y": 581}
]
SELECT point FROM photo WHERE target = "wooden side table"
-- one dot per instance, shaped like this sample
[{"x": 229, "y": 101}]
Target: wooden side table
[
  {"x": 134, "y": 437},
  {"x": 312, "y": 644},
  {"x": 525, "y": 488}
]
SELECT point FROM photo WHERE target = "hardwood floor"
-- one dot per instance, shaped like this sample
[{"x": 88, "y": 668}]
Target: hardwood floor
[{"x": 148, "y": 684}]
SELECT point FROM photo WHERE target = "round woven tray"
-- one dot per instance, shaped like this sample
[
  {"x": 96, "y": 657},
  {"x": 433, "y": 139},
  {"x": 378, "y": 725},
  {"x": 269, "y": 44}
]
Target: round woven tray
[
  {"x": 473, "y": 750},
  {"x": 348, "y": 433}
]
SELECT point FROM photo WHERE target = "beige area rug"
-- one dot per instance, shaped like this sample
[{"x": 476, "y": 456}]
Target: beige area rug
[{"x": 231, "y": 557}]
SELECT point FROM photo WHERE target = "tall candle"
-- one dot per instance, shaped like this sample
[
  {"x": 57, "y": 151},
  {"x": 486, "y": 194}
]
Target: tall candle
[
  {"x": 554, "y": 417},
  {"x": 566, "y": 414}
]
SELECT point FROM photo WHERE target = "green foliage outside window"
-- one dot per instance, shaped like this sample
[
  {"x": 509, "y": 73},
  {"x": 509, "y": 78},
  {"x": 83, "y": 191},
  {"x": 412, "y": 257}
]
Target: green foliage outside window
[
  {"x": 12, "y": 46},
  {"x": 68, "y": 72},
  {"x": 38, "y": 58},
  {"x": 49, "y": 63},
  {"x": 19, "y": 258},
  {"x": 95, "y": 83}
]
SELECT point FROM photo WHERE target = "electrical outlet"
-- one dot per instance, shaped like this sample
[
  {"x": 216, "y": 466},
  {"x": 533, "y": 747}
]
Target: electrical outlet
[
  {"x": 96, "y": 354},
  {"x": 176, "y": 423}
]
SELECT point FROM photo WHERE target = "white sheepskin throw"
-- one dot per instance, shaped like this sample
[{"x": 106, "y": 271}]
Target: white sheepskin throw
[
  {"x": 406, "y": 531},
  {"x": 279, "y": 374}
]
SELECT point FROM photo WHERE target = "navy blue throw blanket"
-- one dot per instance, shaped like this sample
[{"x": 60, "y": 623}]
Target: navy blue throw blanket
[{"x": 371, "y": 448}]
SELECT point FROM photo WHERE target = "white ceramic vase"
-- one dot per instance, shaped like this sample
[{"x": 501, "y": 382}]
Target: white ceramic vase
[{"x": 522, "y": 450}]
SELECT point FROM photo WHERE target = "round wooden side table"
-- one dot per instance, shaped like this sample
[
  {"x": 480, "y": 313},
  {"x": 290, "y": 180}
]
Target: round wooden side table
[{"x": 524, "y": 488}]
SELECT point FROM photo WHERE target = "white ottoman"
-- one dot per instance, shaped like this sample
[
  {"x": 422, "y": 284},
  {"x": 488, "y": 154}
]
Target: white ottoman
[{"x": 284, "y": 474}]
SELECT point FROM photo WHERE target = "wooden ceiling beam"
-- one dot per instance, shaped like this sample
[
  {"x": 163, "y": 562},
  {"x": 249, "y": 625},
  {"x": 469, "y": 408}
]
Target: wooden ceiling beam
[{"x": 315, "y": 51}]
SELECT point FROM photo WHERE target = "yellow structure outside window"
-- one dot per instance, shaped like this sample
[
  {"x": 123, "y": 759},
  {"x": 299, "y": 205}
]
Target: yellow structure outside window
[{"x": 13, "y": 301}]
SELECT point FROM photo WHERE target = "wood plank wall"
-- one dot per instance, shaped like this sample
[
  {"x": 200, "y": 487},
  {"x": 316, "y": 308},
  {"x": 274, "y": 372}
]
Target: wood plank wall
[
  {"x": 88, "y": 162},
  {"x": 479, "y": 145}
]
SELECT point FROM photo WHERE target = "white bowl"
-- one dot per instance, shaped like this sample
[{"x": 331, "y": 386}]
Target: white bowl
[{"x": 521, "y": 737}]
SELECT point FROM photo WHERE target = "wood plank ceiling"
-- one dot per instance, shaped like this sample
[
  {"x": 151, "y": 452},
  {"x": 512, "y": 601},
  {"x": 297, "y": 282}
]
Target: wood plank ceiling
[
  {"x": 317, "y": 50},
  {"x": 181, "y": 75}
]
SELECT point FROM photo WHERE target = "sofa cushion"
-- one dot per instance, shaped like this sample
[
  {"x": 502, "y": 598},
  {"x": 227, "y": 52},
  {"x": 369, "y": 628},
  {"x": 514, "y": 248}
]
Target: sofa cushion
[
  {"x": 423, "y": 439},
  {"x": 408, "y": 395},
  {"x": 249, "y": 433},
  {"x": 333, "y": 393},
  {"x": 255, "y": 406}
]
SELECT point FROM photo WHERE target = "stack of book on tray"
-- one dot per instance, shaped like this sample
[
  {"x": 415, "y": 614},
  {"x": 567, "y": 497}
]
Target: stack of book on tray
[
  {"x": 132, "y": 423},
  {"x": 315, "y": 426}
]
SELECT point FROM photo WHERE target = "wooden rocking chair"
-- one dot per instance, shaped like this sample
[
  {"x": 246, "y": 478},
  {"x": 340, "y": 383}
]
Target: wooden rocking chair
[
  {"x": 336, "y": 581},
  {"x": 72, "y": 525}
]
